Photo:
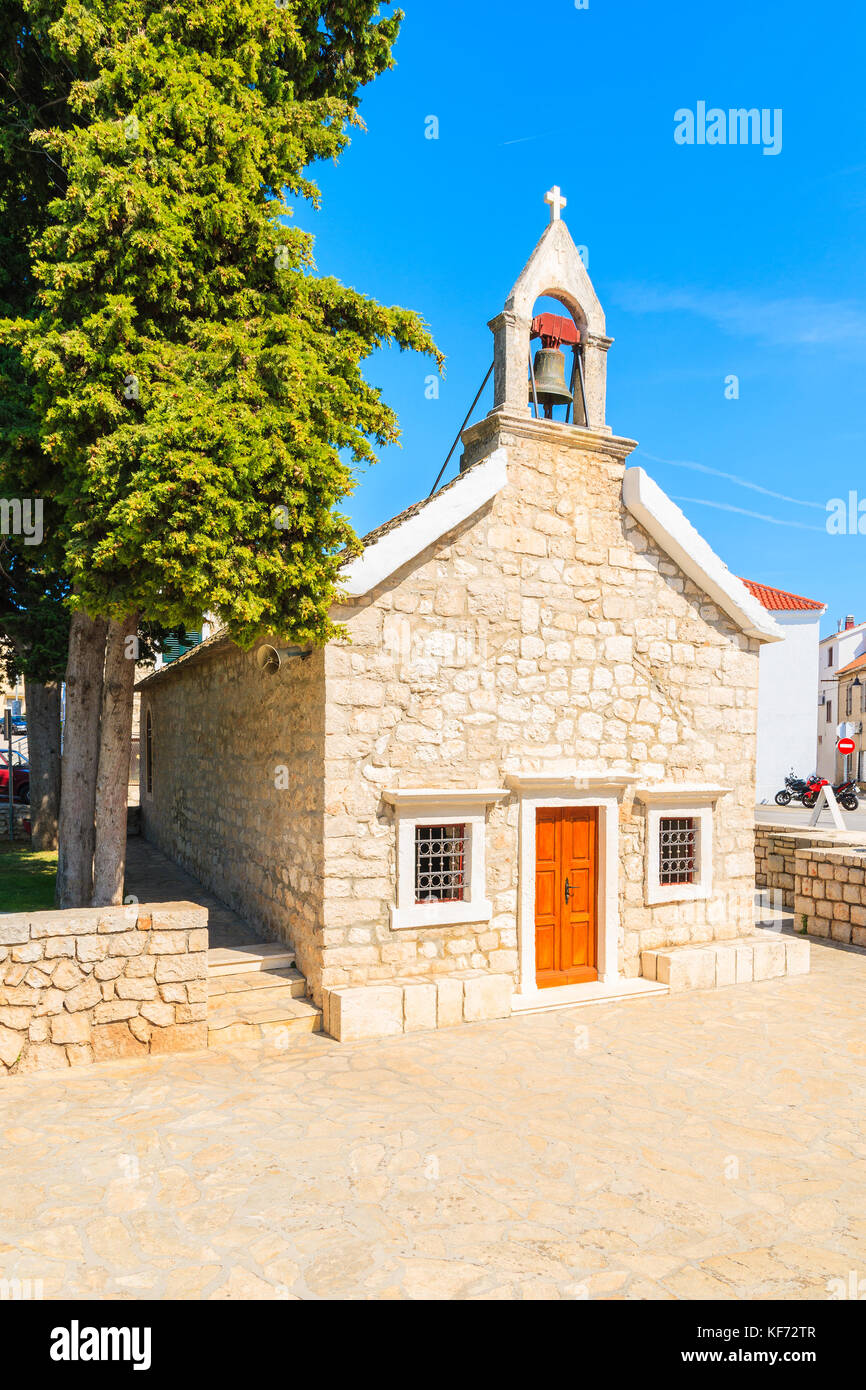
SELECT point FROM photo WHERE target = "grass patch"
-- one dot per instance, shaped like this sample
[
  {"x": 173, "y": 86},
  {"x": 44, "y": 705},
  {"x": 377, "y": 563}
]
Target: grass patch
[{"x": 26, "y": 878}]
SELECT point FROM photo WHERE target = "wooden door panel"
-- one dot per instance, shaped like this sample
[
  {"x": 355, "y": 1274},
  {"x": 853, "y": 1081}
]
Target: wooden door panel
[
  {"x": 566, "y": 932},
  {"x": 545, "y": 893},
  {"x": 545, "y": 949}
]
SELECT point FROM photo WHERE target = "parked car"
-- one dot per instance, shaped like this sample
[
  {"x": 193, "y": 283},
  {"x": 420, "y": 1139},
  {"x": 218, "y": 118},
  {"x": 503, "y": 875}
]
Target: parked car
[
  {"x": 19, "y": 724},
  {"x": 20, "y": 777}
]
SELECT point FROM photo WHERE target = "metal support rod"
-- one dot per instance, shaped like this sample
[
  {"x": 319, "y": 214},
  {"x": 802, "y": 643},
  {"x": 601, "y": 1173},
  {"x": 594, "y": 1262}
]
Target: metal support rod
[
  {"x": 460, "y": 431},
  {"x": 532, "y": 379},
  {"x": 582, "y": 388},
  {"x": 570, "y": 407}
]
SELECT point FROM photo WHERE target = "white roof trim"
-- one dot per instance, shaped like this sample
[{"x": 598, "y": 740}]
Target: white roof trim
[
  {"x": 676, "y": 536},
  {"x": 843, "y": 632},
  {"x": 412, "y": 536}
]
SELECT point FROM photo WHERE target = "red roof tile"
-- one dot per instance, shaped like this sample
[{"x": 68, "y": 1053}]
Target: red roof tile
[
  {"x": 852, "y": 666},
  {"x": 779, "y": 600}
]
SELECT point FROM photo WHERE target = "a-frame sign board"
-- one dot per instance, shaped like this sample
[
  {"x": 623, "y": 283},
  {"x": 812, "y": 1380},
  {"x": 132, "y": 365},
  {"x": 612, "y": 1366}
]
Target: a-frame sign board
[{"x": 830, "y": 797}]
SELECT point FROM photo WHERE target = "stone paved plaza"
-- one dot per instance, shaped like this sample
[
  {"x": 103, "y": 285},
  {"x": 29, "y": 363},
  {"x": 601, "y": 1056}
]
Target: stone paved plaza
[{"x": 706, "y": 1145}]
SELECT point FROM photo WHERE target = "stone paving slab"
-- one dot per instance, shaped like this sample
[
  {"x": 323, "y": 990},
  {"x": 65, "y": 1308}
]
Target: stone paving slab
[{"x": 703, "y": 1145}]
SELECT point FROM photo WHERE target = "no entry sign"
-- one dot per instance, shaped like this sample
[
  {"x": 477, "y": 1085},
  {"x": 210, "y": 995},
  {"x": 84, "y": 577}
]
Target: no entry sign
[{"x": 846, "y": 746}]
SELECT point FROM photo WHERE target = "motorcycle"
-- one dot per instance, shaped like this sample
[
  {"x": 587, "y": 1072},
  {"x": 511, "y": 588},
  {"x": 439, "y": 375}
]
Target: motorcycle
[
  {"x": 794, "y": 790},
  {"x": 846, "y": 793}
]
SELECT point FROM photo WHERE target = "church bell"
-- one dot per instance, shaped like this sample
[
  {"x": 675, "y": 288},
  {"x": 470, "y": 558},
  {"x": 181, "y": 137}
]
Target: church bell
[
  {"x": 547, "y": 381},
  {"x": 549, "y": 372}
]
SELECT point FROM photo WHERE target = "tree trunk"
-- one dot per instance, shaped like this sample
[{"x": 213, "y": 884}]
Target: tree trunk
[
  {"x": 43, "y": 748},
  {"x": 115, "y": 750},
  {"x": 80, "y": 760}
]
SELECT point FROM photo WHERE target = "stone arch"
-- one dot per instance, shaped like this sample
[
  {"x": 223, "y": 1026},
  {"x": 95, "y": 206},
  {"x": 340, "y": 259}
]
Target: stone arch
[{"x": 554, "y": 269}]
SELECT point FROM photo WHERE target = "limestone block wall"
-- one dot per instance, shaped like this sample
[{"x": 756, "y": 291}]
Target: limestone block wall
[
  {"x": 97, "y": 984},
  {"x": 20, "y": 821},
  {"x": 238, "y": 786},
  {"x": 547, "y": 630},
  {"x": 777, "y": 851},
  {"x": 775, "y": 854},
  {"x": 830, "y": 894}
]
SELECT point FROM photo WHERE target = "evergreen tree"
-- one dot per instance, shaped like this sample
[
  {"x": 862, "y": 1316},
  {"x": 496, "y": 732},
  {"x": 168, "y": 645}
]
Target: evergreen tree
[{"x": 196, "y": 385}]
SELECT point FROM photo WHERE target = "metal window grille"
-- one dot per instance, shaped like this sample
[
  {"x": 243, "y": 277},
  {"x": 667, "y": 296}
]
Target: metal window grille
[
  {"x": 440, "y": 860},
  {"x": 678, "y": 850}
]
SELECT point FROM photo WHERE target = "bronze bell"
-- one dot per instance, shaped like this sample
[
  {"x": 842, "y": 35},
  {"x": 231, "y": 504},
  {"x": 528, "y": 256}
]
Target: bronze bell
[{"x": 550, "y": 387}]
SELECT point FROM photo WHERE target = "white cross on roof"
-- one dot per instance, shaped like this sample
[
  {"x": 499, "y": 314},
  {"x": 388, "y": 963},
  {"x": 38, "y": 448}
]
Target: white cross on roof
[{"x": 556, "y": 201}]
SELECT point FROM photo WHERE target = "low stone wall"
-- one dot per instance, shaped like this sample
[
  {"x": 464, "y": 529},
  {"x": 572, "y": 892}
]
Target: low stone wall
[
  {"x": 777, "y": 848},
  {"x": 830, "y": 894},
  {"x": 20, "y": 821},
  {"x": 97, "y": 984}
]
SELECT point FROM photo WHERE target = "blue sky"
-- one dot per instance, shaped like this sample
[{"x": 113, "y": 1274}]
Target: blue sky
[{"x": 709, "y": 261}]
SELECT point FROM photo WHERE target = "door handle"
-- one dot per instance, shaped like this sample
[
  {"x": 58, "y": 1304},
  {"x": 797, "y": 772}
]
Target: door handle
[{"x": 567, "y": 890}]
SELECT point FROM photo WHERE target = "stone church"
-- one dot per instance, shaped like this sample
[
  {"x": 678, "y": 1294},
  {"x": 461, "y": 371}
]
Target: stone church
[{"x": 526, "y": 780}]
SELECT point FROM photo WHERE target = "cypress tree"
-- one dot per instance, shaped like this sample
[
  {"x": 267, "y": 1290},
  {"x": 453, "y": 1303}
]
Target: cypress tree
[{"x": 195, "y": 385}]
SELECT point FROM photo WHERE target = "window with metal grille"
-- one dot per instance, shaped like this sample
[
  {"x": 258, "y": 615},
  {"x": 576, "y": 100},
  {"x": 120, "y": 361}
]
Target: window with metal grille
[
  {"x": 678, "y": 849},
  {"x": 440, "y": 860}
]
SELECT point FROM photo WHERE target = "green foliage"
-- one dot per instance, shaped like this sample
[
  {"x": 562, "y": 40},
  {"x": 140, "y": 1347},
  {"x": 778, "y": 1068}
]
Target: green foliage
[
  {"x": 187, "y": 391},
  {"x": 27, "y": 878},
  {"x": 34, "y": 618}
]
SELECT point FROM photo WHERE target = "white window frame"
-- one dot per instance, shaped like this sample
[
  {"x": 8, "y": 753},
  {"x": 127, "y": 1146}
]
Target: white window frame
[
  {"x": 678, "y": 802},
  {"x": 442, "y": 806}
]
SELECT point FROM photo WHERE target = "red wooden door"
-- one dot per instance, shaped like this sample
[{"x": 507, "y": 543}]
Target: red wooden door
[{"x": 566, "y": 893}]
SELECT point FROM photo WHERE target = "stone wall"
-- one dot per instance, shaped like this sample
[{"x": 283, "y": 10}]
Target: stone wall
[
  {"x": 547, "y": 630},
  {"x": 238, "y": 786},
  {"x": 20, "y": 821},
  {"x": 830, "y": 894},
  {"x": 778, "y": 847},
  {"x": 96, "y": 984}
]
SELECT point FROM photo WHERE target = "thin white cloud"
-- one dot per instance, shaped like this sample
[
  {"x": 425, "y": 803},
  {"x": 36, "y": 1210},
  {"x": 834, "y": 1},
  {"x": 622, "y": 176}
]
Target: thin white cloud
[
  {"x": 526, "y": 139},
  {"x": 757, "y": 516},
  {"x": 731, "y": 478},
  {"x": 785, "y": 321}
]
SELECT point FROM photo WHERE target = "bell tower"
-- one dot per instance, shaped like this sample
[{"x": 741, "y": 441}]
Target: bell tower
[{"x": 554, "y": 269}]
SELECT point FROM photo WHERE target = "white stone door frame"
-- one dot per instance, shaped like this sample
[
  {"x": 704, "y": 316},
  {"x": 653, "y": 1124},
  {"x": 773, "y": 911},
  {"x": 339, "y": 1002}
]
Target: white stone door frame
[{"x": 603, "y": 794}]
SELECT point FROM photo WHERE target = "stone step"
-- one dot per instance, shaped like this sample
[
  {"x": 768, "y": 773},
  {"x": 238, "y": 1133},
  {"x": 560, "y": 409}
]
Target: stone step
[
  {"x": 223, "y": 987},
  {"x": 763, "y": 955},
  {"x": 250, "y": 1017},
  {"x": 241, "y": 960}
]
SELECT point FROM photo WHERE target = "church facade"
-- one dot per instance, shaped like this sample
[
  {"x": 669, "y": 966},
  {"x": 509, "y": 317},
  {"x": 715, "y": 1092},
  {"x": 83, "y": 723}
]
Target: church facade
[{"x": 528, "y": 771}]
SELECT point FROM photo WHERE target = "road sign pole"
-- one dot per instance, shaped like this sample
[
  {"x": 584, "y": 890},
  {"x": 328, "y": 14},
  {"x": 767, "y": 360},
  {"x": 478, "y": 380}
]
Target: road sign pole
[{"x": 7, "y": 729}]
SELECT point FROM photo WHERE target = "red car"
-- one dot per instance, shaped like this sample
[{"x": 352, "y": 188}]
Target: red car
[{"x": 20, "y": 778}]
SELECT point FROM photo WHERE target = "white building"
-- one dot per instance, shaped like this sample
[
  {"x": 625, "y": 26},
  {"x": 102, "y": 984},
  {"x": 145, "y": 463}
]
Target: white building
[
  {"x": 835, "y": 653},
  {"x": 788, "y": 674}
]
